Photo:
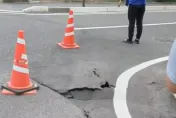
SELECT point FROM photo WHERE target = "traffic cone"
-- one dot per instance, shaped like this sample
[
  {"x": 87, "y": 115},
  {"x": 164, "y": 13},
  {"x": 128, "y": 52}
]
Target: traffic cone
[
  {"x": 20, "y": 82},
  {"x": 69, "y": 38}
]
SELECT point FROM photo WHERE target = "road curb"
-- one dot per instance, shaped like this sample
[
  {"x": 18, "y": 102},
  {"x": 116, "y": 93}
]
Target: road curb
[
  {"x": 58, "y": 10},
  {"x": 46, "y": 9}
]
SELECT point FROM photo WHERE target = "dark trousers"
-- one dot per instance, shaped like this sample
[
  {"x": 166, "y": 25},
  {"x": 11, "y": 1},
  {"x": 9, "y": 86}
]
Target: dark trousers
[{"x": 135, "y": 14}]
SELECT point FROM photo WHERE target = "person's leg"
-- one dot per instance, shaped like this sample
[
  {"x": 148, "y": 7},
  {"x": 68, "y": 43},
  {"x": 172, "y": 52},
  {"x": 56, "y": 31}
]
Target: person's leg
[
  {"x": 171, "y": 70},
  {"x": 139, "y": 23},
  {"x": 131, "y": 18}
]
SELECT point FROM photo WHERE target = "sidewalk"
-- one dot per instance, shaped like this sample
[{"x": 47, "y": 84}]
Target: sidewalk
[
  {"x": 63, "y": 7},
  {"x": 99, "y": 9}
]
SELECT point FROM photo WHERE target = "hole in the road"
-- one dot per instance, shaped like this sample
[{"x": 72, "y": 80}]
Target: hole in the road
[
  {"x": 84, "y": 93},
  {"x": 106, "y": 85},
  {"x": 104, "y": 91}
]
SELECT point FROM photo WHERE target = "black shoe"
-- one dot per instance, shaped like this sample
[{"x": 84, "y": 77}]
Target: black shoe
[
  {"x": 136, "y": 41},
  {"x": 128, "y": 41}
]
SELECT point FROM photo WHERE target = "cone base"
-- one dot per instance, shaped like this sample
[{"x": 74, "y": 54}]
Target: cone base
[
  {"x": 9, "y": 84},
  {"x": 6, "y": 92},
  {"x": 68, "y": 47}
]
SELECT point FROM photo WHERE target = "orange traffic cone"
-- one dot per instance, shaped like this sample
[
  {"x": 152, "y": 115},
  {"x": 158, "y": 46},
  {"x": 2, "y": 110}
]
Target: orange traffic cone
[
  {"x": 69, "y": 39},
  {"x": 20, "y": 82}
]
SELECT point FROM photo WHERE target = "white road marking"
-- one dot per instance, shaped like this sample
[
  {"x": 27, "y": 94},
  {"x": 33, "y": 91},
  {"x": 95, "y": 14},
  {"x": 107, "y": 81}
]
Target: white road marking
[
  {"x": 32, "y": 14},
  {"x": 120, "y": 91},
  {"x": 66, "y": 14},
  {"x": 123, "y": 26},
  {"x": 2, "y": 10}
]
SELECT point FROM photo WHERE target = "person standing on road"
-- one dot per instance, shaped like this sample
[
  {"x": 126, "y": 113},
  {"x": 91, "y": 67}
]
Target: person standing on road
[{"x": 136, "y": 10}]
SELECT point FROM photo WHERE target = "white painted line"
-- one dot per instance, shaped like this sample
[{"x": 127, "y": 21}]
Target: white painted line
[
  {"x": 120, "y": 91},
  {"x": 123, "y": 26},
  {"x": 58, "y": 14},
  {"x": 1, "y": 10},
  {"x": 105, "y": 27},
  {"x": 75, "y": 14}
]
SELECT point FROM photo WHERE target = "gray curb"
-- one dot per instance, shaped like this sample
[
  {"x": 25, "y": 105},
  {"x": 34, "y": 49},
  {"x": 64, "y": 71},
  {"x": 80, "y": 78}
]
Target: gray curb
[
  {"x": 45, "y": 9},
  {"x": 58, "y": 10}
]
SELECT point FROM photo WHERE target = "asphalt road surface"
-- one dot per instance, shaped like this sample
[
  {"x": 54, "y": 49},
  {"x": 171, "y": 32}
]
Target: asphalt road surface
[{"x": 80, "y": 83}]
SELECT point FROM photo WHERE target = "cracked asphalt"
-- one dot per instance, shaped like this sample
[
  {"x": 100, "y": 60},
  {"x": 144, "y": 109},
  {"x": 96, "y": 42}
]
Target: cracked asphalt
[{"x": 79, "y": 83}]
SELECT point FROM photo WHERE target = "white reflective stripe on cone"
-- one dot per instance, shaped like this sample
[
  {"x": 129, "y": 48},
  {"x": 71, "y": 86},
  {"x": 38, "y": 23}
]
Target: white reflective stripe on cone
[
  {"x": 70, "y": 25},
  {"x": 20, "y": 69},
  {"x": 20, "y": 41},
  {"x": 70, "y": 16},
  {"x": 69, "y": 34},
  {"x": 24, "y": 56}
]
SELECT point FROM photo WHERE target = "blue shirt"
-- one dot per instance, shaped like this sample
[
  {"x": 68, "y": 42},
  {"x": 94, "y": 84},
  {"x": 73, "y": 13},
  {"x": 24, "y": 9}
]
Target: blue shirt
[{"x": 136, "y": 2}]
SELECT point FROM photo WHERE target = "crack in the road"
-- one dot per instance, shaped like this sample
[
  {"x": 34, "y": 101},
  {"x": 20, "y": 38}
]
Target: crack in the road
[
  {"x": 86, "y": 114},
  {"x": 71, "y": 92},
  {"x": 45, "y": 85},
  {"x": 83, "y": 93},
  {"x": 104, "y": 91},
  {"x": 95, "y": 71},
  {"x": 152, "y": 83},
  {"x": 106, "y": 85}
]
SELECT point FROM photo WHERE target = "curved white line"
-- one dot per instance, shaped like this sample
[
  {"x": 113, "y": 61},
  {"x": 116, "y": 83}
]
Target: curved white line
[{"x": 120, "y": 91}]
